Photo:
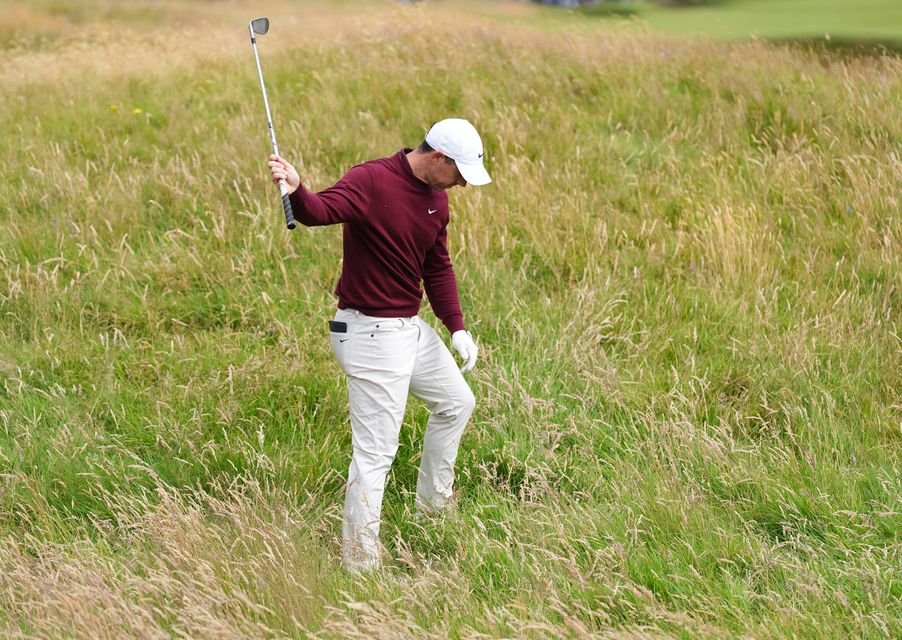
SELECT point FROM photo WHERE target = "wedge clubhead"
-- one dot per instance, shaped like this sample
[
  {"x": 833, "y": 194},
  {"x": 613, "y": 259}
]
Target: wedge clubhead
[{"x": 260, "y": 25}]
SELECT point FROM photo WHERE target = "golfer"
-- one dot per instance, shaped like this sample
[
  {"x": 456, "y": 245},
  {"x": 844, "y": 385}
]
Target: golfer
[{"x": 395, "y": 216}]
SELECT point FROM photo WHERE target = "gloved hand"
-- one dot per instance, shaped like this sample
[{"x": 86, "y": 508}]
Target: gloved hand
[{"x": 463, "y": 342}]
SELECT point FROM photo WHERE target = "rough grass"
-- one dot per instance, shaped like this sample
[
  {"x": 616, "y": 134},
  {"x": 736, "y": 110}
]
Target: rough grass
[{"x": 685, "y": 282}]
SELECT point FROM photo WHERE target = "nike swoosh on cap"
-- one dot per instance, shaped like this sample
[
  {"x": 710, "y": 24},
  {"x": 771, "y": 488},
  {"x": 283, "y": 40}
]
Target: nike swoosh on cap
[{"x": 431, "y": 211}]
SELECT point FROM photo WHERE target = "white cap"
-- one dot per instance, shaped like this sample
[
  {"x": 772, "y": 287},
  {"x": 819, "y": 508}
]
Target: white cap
[{"x": 458, "y": 140}]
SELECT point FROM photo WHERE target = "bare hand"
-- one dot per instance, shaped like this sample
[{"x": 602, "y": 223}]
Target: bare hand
[{"x": 281, "y": 169}]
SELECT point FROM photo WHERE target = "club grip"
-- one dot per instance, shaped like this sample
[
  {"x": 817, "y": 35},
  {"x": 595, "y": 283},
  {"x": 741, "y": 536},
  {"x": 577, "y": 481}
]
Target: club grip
[{"x": 289, "y": 216}]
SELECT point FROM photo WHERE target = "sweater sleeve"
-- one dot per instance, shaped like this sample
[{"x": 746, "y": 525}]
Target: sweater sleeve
[
  {"x": 346, "y": 201},
  {"x": 441, "y": 284}
]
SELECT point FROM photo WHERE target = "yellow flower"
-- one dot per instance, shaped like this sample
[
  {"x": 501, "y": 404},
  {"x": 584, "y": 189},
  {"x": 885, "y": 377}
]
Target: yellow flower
[
  {"x": 137, "y": 110},
  {"x": 114, "y": 107}
]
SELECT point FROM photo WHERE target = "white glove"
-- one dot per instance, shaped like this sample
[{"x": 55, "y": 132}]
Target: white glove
[{"x": 463, "y": 342}]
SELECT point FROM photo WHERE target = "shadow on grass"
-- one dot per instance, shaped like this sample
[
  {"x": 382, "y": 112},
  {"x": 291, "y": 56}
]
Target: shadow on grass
[
  {"x": 621, "y": 9},
  {"x": 610, "y": 9},
  {"x": 847, "y": 48}
]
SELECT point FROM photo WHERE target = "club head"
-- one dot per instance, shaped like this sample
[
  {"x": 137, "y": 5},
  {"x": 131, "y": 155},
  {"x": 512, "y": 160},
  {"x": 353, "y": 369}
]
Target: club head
[{"x": 260, "y": 25}]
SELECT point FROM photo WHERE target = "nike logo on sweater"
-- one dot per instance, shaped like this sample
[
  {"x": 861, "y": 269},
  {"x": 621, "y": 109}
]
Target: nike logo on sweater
[{"x": 431, "y": 211}]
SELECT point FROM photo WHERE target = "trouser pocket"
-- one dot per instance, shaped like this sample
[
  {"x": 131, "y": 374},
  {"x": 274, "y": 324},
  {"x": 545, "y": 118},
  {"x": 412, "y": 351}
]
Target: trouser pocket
[
  {"x": 340, "y": 338},
  {"x": 365, "y": 344}
]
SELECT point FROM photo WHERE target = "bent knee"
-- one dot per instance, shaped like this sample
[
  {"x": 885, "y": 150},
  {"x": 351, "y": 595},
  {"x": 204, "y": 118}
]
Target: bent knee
[
  {"x": 461, "y": 404},
  {"x": 468, "y": 402},
  {"x": 456, "y": 401}
]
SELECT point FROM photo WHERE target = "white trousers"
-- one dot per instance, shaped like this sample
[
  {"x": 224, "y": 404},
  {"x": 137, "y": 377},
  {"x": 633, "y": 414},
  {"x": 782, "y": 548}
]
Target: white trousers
[{"x": 384, "y": 360}]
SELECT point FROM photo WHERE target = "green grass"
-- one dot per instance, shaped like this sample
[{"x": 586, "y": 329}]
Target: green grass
[
  {"x": 773, "y": 19},
  {"x": 684, "y": 282}
]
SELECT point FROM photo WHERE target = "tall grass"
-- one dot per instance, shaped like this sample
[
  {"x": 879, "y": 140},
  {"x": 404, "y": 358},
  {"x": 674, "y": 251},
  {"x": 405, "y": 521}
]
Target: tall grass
[{"x": 685, "y": 283}]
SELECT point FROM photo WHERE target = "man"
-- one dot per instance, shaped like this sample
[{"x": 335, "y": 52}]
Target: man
[{"x": 395, "y": 216}]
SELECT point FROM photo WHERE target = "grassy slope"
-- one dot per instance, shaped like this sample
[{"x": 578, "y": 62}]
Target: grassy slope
[{"x": 685, "y": 282}]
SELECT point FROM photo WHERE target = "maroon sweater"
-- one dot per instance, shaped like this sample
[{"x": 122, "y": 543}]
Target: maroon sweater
[{"x": 395, "y": 235}]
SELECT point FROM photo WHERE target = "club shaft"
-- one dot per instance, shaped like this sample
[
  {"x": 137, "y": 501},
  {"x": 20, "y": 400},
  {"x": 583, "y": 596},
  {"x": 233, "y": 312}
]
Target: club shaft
[{"x": 272, "y": 131}]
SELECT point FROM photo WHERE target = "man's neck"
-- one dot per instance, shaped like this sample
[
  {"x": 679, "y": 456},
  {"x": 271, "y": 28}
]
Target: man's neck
[{"x": 417, "y": 162}]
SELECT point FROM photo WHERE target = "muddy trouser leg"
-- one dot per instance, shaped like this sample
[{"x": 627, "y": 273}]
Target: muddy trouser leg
[
  {"x": 438, "y": 382},
  {"x": 378, "y": 355}
]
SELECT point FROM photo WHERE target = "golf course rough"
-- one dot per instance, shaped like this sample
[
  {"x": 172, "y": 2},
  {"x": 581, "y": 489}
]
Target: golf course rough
[{"x": 684, "y": 282}]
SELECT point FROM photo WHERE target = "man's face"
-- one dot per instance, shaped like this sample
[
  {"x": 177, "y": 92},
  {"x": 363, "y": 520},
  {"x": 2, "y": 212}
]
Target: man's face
[{"x": 445, "y": 173}]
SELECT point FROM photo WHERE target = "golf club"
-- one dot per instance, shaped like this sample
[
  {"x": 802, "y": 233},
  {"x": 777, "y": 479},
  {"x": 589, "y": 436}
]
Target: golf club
[{"x": 261, "y": 26}]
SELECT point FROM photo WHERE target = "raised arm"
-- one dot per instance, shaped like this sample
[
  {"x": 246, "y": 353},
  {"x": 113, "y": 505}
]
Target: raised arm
[{"x": 345, "y": 201}]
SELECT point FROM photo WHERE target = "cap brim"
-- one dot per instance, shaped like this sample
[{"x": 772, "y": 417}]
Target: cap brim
[{"x": 474, "y": 174}]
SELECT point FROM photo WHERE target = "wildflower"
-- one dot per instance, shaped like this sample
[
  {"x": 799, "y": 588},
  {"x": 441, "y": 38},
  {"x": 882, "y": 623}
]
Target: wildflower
[
  {"x": 114, "y": 107},
  {"x": 137, "y": 110}
]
